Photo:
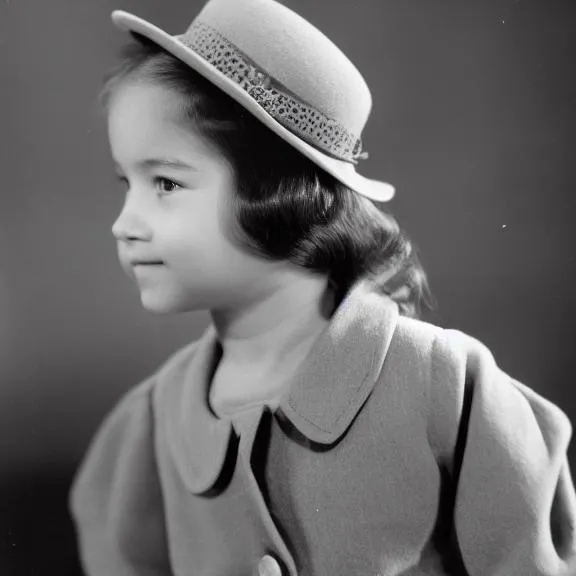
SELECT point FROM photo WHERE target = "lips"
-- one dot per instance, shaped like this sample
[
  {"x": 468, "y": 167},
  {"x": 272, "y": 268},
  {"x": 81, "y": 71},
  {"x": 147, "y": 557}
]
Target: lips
[{"x": 146, "y": 263}]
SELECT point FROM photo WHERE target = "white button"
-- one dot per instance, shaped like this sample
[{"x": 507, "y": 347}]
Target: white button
[{"x": 268, "y": 566}]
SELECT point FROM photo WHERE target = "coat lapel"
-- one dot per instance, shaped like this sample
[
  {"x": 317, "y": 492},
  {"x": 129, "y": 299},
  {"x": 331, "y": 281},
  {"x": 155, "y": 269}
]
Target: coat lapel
[
  {"x": 197, "y": 439},
  {"x": 343, "y": 366},
  {"x": 328, "y": 390}
]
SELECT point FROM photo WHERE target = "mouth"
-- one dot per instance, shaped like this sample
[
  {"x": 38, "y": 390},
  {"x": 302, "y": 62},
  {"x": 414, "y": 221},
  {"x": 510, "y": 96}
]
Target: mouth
[{"x": 151, "y": 263}]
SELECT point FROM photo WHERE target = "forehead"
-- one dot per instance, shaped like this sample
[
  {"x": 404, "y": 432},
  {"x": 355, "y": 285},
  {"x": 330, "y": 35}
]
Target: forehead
[{"x": 148, "y": 120}]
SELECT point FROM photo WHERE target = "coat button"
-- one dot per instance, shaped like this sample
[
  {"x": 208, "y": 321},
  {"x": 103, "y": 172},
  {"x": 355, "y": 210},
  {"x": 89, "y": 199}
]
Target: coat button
[{"x": 268, "y": 566}]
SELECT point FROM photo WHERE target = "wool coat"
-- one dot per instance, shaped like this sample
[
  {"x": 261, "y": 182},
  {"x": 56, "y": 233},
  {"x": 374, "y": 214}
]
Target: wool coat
[{"x": 401, "y": 448}]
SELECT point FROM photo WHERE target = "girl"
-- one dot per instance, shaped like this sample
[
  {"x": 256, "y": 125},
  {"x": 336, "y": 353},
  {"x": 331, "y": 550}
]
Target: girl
[{"x": 317, "y": 428}]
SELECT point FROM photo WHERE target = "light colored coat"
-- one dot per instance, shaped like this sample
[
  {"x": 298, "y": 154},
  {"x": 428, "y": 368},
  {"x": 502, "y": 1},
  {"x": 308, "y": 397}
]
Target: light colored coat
[{"x": 401, "y": 449}]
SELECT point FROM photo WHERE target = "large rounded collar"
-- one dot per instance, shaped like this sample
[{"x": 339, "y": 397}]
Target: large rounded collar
[{"x": 328, "y": 390}]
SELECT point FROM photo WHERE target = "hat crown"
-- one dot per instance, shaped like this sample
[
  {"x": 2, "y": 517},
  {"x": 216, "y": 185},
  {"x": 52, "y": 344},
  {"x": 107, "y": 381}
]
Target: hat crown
[{"x": 293, "y": 52}]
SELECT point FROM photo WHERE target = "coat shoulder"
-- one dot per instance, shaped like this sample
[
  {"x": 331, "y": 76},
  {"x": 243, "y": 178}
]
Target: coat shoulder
[
  {"x": 437, "y": 343},
  {"x": 416, "y": 336},
  {"x": 445, "y": 354},
  {"x": 121, "y": 453},
  {"x": 456, "y": 372},
  {"x": 126, "y": 428},
  {"x": 433, "y": 363}
]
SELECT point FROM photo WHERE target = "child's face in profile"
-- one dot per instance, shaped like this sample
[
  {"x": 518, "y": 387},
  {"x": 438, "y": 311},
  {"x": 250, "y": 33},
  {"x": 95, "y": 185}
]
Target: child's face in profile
[{"x": 173, "y": 215}]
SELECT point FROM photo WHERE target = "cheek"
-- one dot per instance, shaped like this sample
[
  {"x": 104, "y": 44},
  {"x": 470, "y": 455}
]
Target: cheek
[
  {"x": 192, "y": 235},
  {"x": 198, "y": 237}
]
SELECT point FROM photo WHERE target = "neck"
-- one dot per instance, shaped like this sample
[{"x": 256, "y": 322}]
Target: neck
[{"x": 277, "y": 327}]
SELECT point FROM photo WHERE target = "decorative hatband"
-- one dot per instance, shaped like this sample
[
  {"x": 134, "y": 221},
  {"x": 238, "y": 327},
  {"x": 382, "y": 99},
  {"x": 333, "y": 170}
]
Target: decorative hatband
[{"x": 300, "y": 118}]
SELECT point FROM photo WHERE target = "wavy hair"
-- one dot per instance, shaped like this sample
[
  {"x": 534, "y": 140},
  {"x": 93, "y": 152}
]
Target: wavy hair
[{"x": 286, "y": 207}]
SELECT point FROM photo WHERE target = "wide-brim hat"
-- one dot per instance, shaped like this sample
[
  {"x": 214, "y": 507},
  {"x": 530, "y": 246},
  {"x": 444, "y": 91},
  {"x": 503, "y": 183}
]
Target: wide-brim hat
[{"x": 285, "y": 72}]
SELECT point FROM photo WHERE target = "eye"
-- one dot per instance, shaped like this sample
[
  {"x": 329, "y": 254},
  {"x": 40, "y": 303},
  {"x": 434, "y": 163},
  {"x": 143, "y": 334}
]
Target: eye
[{"x": 166, "y": 186}]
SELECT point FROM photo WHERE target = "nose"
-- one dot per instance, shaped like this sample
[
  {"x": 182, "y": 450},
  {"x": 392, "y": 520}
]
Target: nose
[{"x": 130, "y": 225}]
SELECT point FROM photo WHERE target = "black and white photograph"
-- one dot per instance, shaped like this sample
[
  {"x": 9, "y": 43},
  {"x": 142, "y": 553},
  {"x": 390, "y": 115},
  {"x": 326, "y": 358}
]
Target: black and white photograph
[{"x": 287, "y": 287}]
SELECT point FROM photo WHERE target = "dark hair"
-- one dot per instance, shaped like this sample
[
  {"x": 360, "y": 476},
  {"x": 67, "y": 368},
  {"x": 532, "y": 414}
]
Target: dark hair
[{"x": 285, "y": 206}]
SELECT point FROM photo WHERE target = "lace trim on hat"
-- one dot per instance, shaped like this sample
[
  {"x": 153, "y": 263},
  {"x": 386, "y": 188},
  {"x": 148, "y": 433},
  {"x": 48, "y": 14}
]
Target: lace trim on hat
[{"x": 300, "y": 118}]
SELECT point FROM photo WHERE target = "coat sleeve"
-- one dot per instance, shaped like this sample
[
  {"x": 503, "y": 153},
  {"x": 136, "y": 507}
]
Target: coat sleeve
[
  {"x": 514, "y": 502},
  {"x": 115, "y": 500}
]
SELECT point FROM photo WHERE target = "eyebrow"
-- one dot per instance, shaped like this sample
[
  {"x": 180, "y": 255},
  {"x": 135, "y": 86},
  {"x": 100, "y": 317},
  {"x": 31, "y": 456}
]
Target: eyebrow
[{"x": 161, "y": 163}]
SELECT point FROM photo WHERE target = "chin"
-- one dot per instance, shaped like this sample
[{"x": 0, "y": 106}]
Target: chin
[
  {"x": 173, "y": 301},
  {"x": 161, "y": 306}
]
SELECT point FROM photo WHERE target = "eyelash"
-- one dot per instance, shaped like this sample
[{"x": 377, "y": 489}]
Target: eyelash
[
  {"x": 171, "y": 182},
  {"x": 157, "y": 180}
]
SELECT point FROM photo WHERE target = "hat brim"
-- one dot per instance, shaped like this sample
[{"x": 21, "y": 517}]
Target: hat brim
[{"x": 343, "y": 171}]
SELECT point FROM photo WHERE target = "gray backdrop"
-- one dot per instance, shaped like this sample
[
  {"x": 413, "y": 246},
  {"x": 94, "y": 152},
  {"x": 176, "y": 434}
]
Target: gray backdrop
[{"x": 474, "y": 121}]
